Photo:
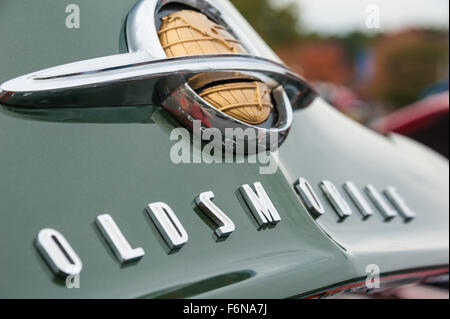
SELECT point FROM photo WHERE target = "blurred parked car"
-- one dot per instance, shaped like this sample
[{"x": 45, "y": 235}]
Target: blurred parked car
[{"x": 425, "y": 121}]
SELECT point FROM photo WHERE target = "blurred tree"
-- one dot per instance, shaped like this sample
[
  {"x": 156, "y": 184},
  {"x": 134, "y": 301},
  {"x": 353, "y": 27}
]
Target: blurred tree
[
  {"x": 356, "y": 41},
  {"x": 277, "y": 26},
  {"x": 407, "y": 63}
]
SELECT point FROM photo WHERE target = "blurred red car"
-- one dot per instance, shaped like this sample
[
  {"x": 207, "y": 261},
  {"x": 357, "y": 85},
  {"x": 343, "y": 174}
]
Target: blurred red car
[{"x": 425, "y": 121}]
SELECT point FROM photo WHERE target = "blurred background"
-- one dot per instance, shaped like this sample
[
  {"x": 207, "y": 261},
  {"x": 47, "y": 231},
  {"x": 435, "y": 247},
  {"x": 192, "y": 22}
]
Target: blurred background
[{"x": 384, "y": 63}]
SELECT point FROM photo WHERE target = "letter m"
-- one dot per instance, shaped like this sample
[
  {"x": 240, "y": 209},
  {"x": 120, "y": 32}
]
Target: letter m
[{"x": 260, "y": 205}]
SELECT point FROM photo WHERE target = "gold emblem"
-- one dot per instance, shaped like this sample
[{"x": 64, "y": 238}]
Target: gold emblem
[{"x": 188, "y": 32}]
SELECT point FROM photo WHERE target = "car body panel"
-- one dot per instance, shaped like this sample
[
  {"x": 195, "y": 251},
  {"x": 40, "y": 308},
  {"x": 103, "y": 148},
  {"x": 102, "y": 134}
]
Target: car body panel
[{"x": 62, "y": 168}]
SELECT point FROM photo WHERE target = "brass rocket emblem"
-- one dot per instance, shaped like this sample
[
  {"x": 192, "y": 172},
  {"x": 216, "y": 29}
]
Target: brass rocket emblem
[{"x": 189, "y": 32}]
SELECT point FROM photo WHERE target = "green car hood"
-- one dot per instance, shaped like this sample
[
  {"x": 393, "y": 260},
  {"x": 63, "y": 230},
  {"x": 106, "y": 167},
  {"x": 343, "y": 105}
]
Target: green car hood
[{"x": 62, "y": 168}]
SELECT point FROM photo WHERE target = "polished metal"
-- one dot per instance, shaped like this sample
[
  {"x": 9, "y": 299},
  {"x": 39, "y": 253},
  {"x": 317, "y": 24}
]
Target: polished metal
[
  {"x": 145, "y": 76},
  {"x": 117, "y": 241},
  {"x": 309, "y": 198},
  {"x": 58, "y": 253},
  {"x": 142, "y": 22},
  {"x": 399, "y": 203},
  {"x": 196, "y": 109},
  {"x": 383, "y": 207},
  {"x": 134, "y": 79},
  {"x": 339, "y": 204},
  {"x": 168, "y": 224},
  {"x": 226, "y": 225},
  {"x": 358, "y": 199},
  {"x": 260, "y": 205},
  {"x": 142, "y": 34}
]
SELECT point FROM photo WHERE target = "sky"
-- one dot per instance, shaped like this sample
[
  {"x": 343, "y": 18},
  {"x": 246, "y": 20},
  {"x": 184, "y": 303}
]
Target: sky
[{"x": 341, "y": 16}]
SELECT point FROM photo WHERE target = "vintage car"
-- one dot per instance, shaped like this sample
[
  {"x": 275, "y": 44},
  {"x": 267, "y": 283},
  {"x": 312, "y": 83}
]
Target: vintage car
[{"x": 123, "y": 173}]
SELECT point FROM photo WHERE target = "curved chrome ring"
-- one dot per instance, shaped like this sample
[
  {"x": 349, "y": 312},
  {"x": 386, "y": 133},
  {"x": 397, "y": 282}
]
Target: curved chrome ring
[
  {"x": 182, "y": 100},
  {"x": 145, "y": 76},
  {"x": 135, "y": 79},
  {"x": 141, "y": 27}
]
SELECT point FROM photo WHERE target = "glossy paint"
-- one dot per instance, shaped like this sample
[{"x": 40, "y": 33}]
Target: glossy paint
[{"x": 62, "y": 168}]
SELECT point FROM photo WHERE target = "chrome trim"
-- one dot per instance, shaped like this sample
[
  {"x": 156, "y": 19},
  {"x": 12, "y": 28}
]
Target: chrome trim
[
  {"x": 141, "y": 25},
  {"x": 260, "y": 205},
  {"x": 309, "y": 198},
  {"x": 399, "y": 203},
  {"x": 168, "y": 224},
  {"x": 141, "y": 29},
  {"x": 58, "y": 253},
  {"x": 133, "y": 79},
  {"x": 226, "y": 225},
  {"x": 196, "y": 109},
  {"x": 117, "y": 241},
  {"x": 339, "y": 204},
  {"x": 358, "y": 199},
  {"x": 383, "y": 207},
  {"x": 145, "y": 76}
]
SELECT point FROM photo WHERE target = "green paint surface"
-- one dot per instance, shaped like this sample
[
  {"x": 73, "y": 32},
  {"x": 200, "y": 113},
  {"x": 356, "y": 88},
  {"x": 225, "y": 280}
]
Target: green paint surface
[{"x": 62, "y": 168}]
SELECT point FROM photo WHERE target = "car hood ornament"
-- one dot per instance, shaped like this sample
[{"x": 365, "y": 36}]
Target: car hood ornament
[
  {"x": 186, "y": 56},
  {"x": 188, "y": 32}
]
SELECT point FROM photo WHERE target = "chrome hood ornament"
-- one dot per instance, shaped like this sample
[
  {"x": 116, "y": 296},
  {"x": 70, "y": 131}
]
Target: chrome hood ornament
[{"x": 147, "y": 76}]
